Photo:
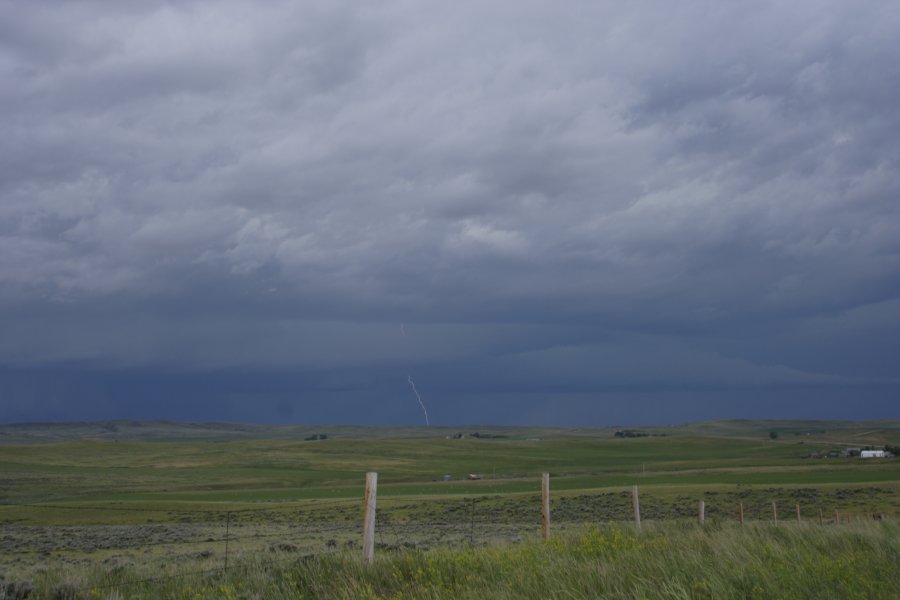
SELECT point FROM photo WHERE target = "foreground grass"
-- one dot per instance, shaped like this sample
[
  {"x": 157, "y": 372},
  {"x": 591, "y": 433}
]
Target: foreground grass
[{"x": 664, "y": 560}]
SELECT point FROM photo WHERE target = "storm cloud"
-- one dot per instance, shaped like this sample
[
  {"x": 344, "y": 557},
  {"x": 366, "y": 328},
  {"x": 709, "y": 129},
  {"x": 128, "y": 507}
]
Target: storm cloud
[{"x": 557, "y": 203}]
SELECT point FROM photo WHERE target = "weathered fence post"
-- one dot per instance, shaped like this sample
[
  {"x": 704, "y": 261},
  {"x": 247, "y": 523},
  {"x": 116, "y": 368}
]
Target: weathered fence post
[
  {"x": 821, "y": 522},
  {"x": 545, "y": 505},
  {"x": 799, "y": 521},
  {"x": 636, "y": 506},
  {"x": 701, "y": 513},
  {"x": 369, "y": 517},
  {"x": 472, "y": 523},
  {"x": 774, "y": 512},
  {"x": 227, "y": 531},
  {"x": 741, "y": 512},
  {"x": 837, "y": 518}
]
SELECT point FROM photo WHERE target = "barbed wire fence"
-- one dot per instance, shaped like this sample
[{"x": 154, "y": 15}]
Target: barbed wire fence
[
  {"x": 211, "y": 539},
  {"x": 204, "y": 545}
]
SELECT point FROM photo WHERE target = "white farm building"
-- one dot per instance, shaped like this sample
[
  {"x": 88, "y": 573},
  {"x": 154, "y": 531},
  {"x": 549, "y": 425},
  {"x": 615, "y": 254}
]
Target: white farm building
[{"x": 872, "y": 454}]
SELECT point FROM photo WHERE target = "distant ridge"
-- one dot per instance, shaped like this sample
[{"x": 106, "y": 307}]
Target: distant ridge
[{"x": 153, "y": 430}]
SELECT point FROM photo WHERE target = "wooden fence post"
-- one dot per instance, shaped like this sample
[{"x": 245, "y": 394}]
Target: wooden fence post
[
  {"x": 227, "y": 528},
  {"x": 636, "y": 506},
  {"x": 798, "y": 515},
  {"x": 472, "y": 523},
  {"x": 837, "y": 518},
  {"x": 741, "y": 512},
  {"x": 821, "y": 522},
  {"x": 369, "y": 517},
  {"x": 545, "y": 505},
  {"x": 774, "y": 512},
  {"x": 701, "y": 513}
]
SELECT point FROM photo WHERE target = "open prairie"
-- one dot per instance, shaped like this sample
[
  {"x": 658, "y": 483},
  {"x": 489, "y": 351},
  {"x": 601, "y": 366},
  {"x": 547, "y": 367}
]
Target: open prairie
[{"x": 102, "y": 497}]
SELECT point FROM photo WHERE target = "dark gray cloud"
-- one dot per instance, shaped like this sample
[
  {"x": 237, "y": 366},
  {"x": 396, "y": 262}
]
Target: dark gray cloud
[{"x": 690, "y": 196}]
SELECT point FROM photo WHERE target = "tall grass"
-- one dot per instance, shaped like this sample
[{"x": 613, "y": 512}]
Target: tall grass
[{"x": 663, "y": 560}]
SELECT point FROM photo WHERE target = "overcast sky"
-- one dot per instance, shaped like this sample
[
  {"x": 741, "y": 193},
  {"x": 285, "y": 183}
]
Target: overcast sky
[{"x": 584, "y": 213}]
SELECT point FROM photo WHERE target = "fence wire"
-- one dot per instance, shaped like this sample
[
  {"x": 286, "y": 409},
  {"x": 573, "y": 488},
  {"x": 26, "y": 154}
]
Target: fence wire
[{"x": 432, "y": 523}]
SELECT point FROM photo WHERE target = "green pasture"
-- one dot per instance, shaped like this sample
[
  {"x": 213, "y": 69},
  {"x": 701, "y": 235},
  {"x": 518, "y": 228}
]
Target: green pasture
[
  {"x": 146, "y": 497},
  {"x": 283, "y": 470},
  {"x": 236, "y": 472}
]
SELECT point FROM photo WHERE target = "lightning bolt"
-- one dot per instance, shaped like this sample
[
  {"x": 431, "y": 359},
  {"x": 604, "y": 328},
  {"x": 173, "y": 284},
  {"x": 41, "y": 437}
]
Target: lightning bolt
[{"x": 419, "y": 398}]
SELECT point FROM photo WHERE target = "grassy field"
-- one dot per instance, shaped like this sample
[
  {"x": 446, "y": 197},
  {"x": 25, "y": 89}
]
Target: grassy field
[
  {"x": 663, "y": 560},
  {"x": 97, "y": 498}
]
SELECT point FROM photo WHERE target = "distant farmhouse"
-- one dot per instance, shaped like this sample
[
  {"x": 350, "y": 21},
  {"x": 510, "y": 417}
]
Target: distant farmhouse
[{"x": 872, "y": 454}]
